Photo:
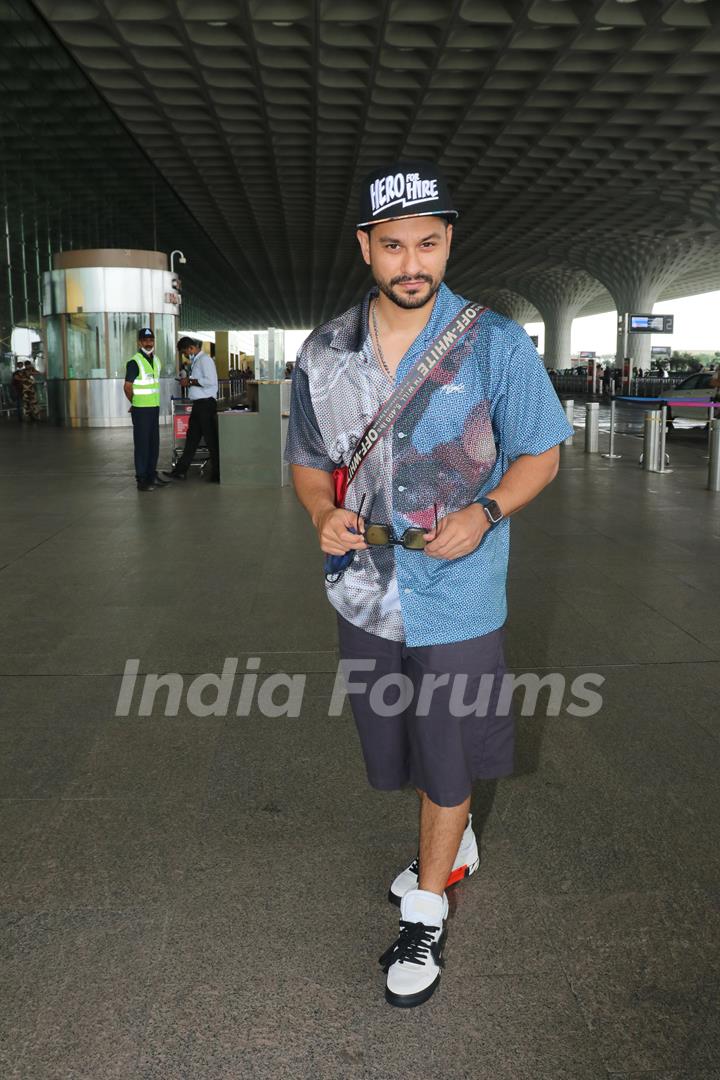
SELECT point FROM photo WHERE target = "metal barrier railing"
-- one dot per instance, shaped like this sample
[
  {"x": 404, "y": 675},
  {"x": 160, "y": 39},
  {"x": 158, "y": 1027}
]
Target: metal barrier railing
[
  {"x": 640, "y": 386},
  {"x": 7, "y": 405},
  {"x": 654, "y": 457},
  {"x": 231, "y": 391}
]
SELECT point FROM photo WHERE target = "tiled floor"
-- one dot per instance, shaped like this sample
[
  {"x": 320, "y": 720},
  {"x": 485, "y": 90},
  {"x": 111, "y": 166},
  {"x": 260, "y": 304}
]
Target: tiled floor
[{"x": 187, "y": 896}]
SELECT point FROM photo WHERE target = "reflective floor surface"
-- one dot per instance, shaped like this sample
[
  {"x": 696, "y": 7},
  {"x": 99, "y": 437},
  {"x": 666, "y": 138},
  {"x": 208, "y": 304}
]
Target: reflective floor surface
[{"x": 197, "y": 897}]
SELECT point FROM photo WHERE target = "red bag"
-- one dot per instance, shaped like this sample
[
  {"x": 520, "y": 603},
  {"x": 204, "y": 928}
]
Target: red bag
[{"x": 340, "y": 483}]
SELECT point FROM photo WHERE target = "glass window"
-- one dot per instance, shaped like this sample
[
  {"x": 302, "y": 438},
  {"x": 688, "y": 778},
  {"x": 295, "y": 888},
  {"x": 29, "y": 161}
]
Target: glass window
[
  {"x": 123, "y": 330},
  {"x": 53, "y": 336},
  {"x": 166, "y": 344},
  {"x": 85, "y": 346}
]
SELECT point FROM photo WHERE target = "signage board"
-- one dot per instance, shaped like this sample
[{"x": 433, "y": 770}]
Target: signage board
[
  {"x": 650, "y": 324},
  {"x": 660, "y": 350}
]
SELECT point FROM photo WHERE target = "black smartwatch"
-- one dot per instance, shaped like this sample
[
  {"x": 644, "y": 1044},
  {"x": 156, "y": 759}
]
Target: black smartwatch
[{"x": 492, "y": 511}]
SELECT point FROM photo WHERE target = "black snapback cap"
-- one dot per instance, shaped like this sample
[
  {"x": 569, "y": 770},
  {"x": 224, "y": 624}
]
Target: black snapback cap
[
  {"x": 145, "y": 332},
  {"x": 404, "y": 189}
]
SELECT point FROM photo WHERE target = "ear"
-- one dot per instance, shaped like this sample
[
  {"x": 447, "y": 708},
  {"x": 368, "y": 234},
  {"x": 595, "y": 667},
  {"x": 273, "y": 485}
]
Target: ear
[{"x": 364, "y": 242}]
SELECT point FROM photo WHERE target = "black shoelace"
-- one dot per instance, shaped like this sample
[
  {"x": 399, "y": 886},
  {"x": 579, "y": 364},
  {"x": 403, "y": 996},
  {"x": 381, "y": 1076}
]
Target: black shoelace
[{"x": 413, "y": 945}]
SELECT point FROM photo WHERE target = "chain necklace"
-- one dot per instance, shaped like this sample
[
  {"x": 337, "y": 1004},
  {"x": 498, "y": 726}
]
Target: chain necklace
[{"x": 381, "y": 356}]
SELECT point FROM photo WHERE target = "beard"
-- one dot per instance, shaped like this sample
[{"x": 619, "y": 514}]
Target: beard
[{"x": 404, "y": 301}]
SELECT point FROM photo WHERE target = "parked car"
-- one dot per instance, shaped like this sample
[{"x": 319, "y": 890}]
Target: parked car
[{"x": 699, "y": 386}]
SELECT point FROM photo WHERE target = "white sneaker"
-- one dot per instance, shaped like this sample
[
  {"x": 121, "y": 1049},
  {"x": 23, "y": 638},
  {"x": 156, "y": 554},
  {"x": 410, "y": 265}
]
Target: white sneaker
[
  {"x": 466, "y": 863},
  {"x": 413, "y": 962}
]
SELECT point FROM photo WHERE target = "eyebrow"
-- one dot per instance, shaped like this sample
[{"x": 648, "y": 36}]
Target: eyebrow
[{"x": 396, "y": 240}]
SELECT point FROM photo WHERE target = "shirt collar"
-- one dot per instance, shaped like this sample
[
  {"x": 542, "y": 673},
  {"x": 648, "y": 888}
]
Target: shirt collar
[{"x": 349, "y": 331}]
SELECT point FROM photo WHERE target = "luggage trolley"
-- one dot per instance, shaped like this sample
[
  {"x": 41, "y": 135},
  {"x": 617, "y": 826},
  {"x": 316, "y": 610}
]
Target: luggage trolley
[{"x": 180, "y": 409}]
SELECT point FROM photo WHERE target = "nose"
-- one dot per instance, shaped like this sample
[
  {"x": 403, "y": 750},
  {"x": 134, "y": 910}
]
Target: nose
[{"x": 411, "y": 263}]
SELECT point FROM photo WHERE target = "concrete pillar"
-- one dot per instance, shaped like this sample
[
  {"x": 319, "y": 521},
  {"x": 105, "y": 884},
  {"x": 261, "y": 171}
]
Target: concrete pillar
[
  {"x": 559, "y": 294},
  {"x": 222, "y": 353},
  {"x": 636, "y": 272},
  {"x": 510, "y": 303}
]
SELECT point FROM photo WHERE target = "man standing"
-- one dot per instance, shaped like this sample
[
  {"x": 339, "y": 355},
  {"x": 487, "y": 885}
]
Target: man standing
[
  {"x": 16, "y": 388},
  {"x": 142, "y": 389},
  {"x": 425, "y": 523},
  {"x": 202, "y": 386}
]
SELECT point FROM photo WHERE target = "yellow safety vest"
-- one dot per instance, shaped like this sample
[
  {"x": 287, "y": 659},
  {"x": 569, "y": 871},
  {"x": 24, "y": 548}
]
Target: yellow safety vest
[{"x": 146, "y": 388}]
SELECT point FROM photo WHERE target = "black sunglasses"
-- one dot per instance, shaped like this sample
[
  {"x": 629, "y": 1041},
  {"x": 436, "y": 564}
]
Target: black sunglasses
[{"x": 379, "y": 535}]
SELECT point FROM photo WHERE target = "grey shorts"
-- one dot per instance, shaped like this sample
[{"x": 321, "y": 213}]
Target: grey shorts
[{"x": 424, "y": 744}]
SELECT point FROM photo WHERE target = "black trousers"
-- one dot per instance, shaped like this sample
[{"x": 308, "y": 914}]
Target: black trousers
[
  {"x": 203, "y": 425},
  {"x": 146, "y": 439}
]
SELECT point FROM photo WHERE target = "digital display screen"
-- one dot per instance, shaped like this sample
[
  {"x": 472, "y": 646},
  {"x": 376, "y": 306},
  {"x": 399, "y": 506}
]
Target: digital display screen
[
  {"x": 650, "y": 324},
  {"x": 660, "y": 350}
]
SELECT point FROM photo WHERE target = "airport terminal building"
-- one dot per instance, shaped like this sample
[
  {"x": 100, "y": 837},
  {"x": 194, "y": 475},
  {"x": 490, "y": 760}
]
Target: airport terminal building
[{"x": 196, "y": 870}]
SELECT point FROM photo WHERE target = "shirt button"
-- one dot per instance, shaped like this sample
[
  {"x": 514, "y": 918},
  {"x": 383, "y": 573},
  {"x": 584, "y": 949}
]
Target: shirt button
[
  {"x": 407, "y": 590},
  {"x": 401, "y": 435},
  {"x": 400, "y": 487}
]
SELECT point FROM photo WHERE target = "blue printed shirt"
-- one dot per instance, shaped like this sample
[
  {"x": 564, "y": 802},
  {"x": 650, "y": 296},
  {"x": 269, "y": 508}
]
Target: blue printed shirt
[{"x": 487, "y": 403}]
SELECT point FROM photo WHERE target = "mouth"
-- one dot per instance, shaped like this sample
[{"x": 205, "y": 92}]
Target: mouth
[{"x": 414, "y": 283}]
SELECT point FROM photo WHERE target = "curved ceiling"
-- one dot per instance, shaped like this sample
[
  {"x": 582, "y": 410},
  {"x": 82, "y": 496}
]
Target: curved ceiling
[{"x": 568, "y": 131}]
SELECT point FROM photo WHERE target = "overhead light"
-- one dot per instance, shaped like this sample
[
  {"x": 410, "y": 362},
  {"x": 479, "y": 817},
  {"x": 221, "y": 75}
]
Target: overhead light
[
  {"x": 604, "y": 29},
  {"x": 276, "y": 22},
  {"x": 214, "y": 23}
]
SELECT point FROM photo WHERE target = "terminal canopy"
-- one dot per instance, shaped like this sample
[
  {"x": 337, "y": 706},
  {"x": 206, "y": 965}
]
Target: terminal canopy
[{"x": 238, "y": 132}]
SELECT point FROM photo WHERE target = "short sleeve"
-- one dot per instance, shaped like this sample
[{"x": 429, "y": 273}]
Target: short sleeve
[
  {"x": 304, "y": 445},
  {"x": 131, "y": 371},
  {"x": 526, "y": 412}
]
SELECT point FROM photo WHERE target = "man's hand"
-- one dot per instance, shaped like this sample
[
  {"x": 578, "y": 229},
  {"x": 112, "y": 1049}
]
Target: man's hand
[
  {"x": 184, "y": 381},
  {"x": 333, "y": 527},
  {"x": 457, "y": 534}
]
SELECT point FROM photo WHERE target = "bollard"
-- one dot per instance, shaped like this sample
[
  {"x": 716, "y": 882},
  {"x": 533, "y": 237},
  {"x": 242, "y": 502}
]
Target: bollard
[
  {"x": 592, "y": 427},
  {"x": 611, "y": 455},
  {"x": 714, "y": 464},
  {"x": 569, "y": 407},
  {"x": 651, "y": 442},
  {"x": 663, "y": 459},
  {"x": 711, "y": 417}
]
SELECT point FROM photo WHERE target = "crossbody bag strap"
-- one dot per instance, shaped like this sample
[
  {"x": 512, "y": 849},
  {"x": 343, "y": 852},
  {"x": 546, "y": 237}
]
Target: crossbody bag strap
[{"x": 403, "y": 394}]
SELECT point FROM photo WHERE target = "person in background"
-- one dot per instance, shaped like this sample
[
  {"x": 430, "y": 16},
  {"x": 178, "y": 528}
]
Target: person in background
[
  {"x": 202, "y": 385},
  {"x": 142, "y": 389},
  {"x": 16, "y": 388},
  {"x": 30, "y": 410}
]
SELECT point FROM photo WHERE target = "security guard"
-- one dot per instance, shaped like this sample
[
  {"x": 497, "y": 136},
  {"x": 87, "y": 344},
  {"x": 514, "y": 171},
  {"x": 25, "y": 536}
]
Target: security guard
[
  {"x": 202, "y": 384},
  {"x": 142, "y": 389}
]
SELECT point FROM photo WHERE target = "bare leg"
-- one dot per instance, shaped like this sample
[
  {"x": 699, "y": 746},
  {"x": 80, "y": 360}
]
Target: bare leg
[{"x": 441, "y": 829}]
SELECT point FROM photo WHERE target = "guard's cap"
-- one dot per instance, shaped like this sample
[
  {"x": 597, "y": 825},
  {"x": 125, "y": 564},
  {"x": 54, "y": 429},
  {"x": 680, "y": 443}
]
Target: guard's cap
[
  {"x": 404, "y": 189},
  {"x": 145, "y": 332}
]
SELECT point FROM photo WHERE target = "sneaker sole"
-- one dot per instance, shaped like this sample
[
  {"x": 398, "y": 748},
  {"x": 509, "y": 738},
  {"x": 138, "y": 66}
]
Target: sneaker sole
[
  {"x": 409, "y": 1001},
  {"x": 459, "y": 874}
]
